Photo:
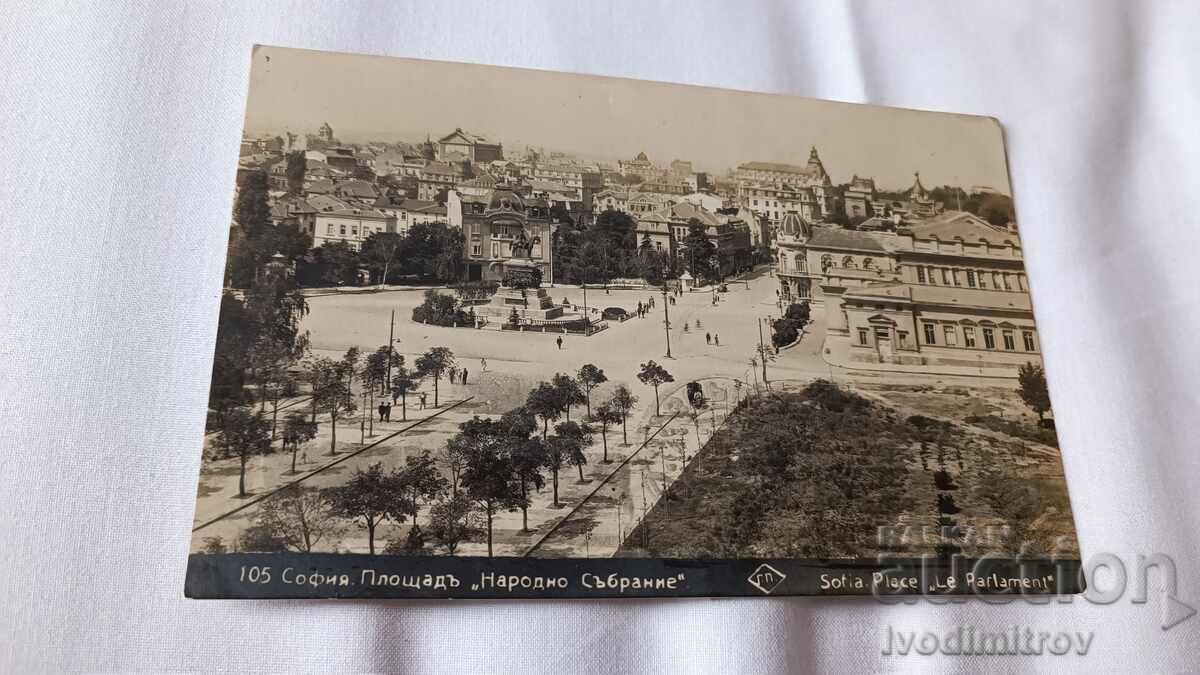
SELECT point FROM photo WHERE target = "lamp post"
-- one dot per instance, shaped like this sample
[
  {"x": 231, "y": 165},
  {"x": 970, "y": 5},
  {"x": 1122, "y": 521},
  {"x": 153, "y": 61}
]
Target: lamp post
[{"x": 666, "y": 319}]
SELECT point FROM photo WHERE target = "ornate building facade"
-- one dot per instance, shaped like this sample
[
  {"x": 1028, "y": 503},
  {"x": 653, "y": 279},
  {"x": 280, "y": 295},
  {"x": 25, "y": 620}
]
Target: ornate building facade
[{"x": 950, "y": 290}]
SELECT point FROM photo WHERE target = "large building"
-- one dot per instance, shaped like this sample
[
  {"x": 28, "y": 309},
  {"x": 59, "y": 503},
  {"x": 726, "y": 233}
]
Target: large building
[
  {"x": 435, "y": 177},
  {"x": 325, "y": 133},
  {"x": 459, "y": 145},
  {"x": 493, "y": 223},
  {"x": 950, "y": 290},
  {"x": 811, "y": 176}
]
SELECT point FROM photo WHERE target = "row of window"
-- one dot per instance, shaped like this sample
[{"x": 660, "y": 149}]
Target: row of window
[
  {"x": 353, "y": 230},
  {"x": 950, "y": 276},
  {"x": 950, "y": 337}
]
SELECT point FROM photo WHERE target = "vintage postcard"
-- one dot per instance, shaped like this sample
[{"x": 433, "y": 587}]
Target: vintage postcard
[{"x": 488, "y": 332}]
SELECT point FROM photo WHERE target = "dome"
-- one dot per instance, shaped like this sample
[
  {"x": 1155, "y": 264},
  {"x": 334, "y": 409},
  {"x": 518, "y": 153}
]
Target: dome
[
  {"x": 794, "y": 226},
  {"x": 641, "y": 157}
]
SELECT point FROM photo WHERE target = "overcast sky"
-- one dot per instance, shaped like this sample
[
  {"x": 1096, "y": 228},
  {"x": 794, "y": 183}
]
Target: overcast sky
[{"x": 385, "y": 98}]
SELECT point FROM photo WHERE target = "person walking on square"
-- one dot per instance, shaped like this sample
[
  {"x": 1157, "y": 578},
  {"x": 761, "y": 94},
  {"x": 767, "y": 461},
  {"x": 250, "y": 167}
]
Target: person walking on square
[
  {"x": 559, "y": 341},
  {"x": 382, "y": 410},
  {"x": 422, "y": 400},
  {"x": 387, "y": 412},
  {"x": 708, "y": 338},
  {"x": 464, "y": 376},
  {"x": 717, "y": 340},
  {"x": 453, "y": 374},
  {"x": 483, "y": 364}
]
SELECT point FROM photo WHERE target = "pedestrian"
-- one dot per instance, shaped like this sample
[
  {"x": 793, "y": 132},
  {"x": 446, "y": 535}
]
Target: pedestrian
[
  {"x": 453, "y": 374},
  {"x": 387, "y": 413},
  {"x": 559, "y": 341},
  {"x": 422, "y": 400},
  {"x": 395, "y": 396},
  {"x": 464, "y": 375},
  {"x": 717, "y": 340},
  {"x": 483, "y": 364},
  {"x": 708, "y": 338},
  {"x": 382, "y": 410},
  {"x": 639, "y": 309}
]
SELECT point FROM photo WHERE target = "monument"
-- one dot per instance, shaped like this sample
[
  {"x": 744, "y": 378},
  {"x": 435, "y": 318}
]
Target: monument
[{"x": 521, "y": 289}]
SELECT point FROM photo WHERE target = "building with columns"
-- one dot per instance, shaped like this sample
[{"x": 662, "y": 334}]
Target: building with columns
[{"x": 950, "y": 290}]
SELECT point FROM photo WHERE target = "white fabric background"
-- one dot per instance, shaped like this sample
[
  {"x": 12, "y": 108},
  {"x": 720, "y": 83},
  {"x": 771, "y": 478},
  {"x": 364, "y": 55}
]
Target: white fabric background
[{"x": 121, "y": 124}]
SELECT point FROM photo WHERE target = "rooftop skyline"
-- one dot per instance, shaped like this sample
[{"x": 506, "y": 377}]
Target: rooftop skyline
[{"x": 388, "y": 99}]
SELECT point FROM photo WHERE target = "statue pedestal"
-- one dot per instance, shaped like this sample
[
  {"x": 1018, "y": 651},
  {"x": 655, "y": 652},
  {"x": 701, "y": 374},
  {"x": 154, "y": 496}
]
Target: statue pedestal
[{"x": 530, "y": 303}]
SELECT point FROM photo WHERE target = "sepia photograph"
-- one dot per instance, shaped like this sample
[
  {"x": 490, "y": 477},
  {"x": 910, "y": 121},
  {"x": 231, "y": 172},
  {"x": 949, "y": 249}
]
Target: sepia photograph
[{"x": 520, "y": 316}]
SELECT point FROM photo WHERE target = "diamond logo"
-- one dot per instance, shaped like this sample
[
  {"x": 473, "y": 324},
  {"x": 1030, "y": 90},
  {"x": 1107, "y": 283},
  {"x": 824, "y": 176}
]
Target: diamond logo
[{"x": 766, "y": 578}]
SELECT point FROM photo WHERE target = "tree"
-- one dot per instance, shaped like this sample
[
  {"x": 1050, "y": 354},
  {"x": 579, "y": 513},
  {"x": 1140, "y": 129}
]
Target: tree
[
  {"x": 589, "y": 378},
  {"x": 451, "y": 521},
  {"x": 421, "y": 481},
  {"x": 335, "y": 399},
  {"x": 330, "y": 264},
  {"x": 299, "y": 518},
  {"x": 440, "y": 309},
  {"x": 433, "y": 363},
  {"x": 297, "y": 164},
  {"x": 379, "y": 252},
  {"x": 578, "y": 437},
  {"x": 545, "y": 402},
  {"x": 489, "y": 480},
  {"x": 371, "y": 497},
  {"x": 568, "y": 391},
  {"x": 297, "y": 430},
  {"x": 700, "y": 253},
  {"x": 528, "y": 454},
  {"x": 622, "y": 403},
  {"x": 606, "y": 415},
  {"x": 243, "y": 434},
  {"x": 1033, "y": 390},
  {"x": 655, "y": 376},
  {"x": 403, "y": 382}
]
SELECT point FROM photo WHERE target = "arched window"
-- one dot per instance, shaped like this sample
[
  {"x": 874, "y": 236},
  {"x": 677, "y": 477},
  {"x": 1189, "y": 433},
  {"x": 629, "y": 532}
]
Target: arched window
[{"x": 868, "y": 264}]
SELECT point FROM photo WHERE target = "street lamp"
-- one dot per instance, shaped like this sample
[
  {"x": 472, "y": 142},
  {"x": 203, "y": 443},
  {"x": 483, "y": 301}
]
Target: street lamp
[{"x": 666, "y": 319}]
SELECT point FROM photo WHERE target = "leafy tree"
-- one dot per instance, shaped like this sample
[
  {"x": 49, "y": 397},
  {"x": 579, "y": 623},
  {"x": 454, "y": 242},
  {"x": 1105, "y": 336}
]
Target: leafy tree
[
  {"x": 655, "y": 376},
  {"x": 298, "y": 518},
  {"x": 528, "y": 455},
  {"x": 451, "y": 521},
  {"x": 545, "y": 401},
  {"x": 421, "y": 481},
  {"x": 589, "y": 378},
  {"x": 379, "y": 252},
  {"x": 1033, "y": 390},
  {"x": 297, "y": 430},
  {"x": 569, "y": 392},
  {"x": 297, "y": 164},
  {"x": 335, "y": 398},
  {"x": 369, "y": 498},
  {"x": 434, "y": 363},
  {"x": 403, "y": 381},
  {"x": 440, "y": 309},
  {"x": 331, "y": 264},
  {"x": 576, "y": 438},
  {"x": 606, "y": 415},
  {"x": 489, "y": 480},
  {"x": 433, "y": 250},
  {"x": 699, "y": 251},
  {"x": 622, "y": 403},
  {"x": 243, "y": 434}
]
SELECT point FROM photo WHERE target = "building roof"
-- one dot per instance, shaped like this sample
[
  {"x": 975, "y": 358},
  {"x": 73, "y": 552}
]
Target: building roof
[
  {"x": 368, "y": 213},
  {"x": 951, "y": 225},
  {"x": 320, "y": 187},
  {"x": 792, "y": 224},
  {"x": 465, "y": 136},
  {"x": 838, "y": 238},
  {"x": 359, "y": 189},
  {"x": 776, "y": 167}
]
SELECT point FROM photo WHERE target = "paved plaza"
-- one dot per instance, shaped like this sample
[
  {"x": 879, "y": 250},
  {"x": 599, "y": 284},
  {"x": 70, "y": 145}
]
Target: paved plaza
[{"x": 594, "y": 514}]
